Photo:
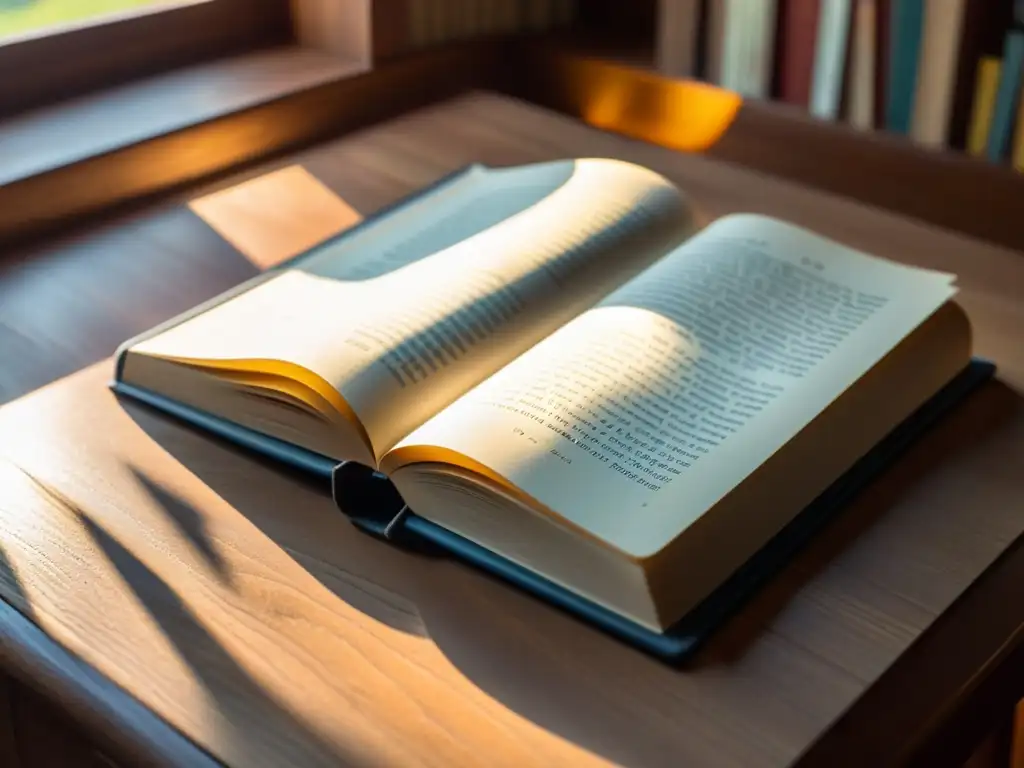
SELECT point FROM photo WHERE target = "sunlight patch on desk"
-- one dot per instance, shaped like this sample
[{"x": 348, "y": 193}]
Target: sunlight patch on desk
[{"x": 277, "y": 215}]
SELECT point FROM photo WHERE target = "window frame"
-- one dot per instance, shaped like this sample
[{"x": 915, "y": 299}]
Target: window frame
[{"x": 135, "y": 44}]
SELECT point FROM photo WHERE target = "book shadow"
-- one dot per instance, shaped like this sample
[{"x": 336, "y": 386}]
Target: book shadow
[
  {"x": 543, "y": 665},
  {"x": 979, "y": 419}
]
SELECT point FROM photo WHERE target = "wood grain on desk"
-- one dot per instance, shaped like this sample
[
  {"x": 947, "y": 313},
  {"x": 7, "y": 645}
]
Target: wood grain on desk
[{"x": 236, "y": 604}]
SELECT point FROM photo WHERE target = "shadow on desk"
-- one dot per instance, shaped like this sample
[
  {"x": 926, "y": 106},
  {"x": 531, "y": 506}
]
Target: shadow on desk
[
  {"x": 840, "y": 611},
  {"x": 222, "y": 678}
]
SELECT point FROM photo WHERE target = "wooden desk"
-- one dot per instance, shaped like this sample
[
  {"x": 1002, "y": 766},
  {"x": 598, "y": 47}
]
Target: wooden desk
[{"x": 192, "y": 602}]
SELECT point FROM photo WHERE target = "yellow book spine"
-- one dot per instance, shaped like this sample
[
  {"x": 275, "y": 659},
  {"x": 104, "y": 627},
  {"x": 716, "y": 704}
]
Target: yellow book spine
[
  {"x": 985, "y": 87},
  {"x": 1018, "y": 139}
]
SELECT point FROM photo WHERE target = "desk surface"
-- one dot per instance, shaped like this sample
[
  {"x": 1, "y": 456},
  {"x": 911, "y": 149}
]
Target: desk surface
[{"x": 242, "y": 609}]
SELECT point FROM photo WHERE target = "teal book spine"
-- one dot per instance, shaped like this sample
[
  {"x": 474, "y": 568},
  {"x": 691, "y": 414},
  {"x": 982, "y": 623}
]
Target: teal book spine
[
  {"x": 906, "y": 25},
  {"x": 1005, "y": 110}
]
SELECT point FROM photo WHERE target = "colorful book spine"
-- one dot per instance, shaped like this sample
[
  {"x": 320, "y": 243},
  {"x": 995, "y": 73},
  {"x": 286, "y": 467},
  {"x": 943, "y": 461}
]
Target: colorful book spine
[
  {"x": 936, "y": 78},
  {"x": 797, "y": 36},
  {"x": 830, "y": 58},
  {"x": 1018, "y": 140},
  {"x": 904, "y": 52},
  {"x": 861, "y": 78},
  {"x": 1005, "y": 109},
  {"x": 986, "y": 85}
]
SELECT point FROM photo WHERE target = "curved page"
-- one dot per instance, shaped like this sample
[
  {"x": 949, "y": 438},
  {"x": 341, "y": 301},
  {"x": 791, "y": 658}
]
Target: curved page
[
  {"x": 401, "y": 331},
  {"x": 636, "y": 418}
]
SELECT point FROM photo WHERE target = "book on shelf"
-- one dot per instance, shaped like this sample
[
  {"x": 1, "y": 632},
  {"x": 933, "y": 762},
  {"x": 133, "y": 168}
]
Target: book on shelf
[
  {"x": 676, "y": 53},
  {"x": 933, "y": 95},
  {"x": 1004, "y": 109},
  {"x": 946, "y": 73},
  {"x": 1017, "y": 160},
  {"x": 863, "y": 55},
  {"x": 830, "y": 57},
  {"x": 986, "y": 86},
  {"x": 905, "y": 28},
  {"x": 571, "y": 379},
  {"x": 798, "y": 29},
  {"x": 981, "y": 44}
]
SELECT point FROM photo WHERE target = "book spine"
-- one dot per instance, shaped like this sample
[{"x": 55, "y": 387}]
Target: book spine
[
  {"x": 933, "y": 98},
  {"x": 983, "y": 27},
  {"x": 678, "y": 25},
  {"x": 861, "y": 83},
  {"x": 367, "y": 498},
  {"x": 830, "y": 58},
  {"x": 715, "y": 42},
  {"x": 797, "y": 35},
  {"x": 904, "y": 52},
  {"x": 763, "y": 49},
  {"x": 1018, "y": 142},
  {"x": 986, "y": 84},
  {"x": 883, "y": 35},
  {"x": 748, "y": 42},
  {"x": 1006, "y": 97}
]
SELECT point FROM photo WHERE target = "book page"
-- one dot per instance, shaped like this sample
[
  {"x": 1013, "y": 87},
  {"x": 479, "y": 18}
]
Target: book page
[
  {"x": 403, "y": 318},
  {"x": 637, "y": 417}
]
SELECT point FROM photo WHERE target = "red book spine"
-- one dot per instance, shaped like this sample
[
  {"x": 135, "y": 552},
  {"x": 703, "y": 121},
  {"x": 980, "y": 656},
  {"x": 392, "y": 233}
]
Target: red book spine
[{"x": 798, "y": 33}]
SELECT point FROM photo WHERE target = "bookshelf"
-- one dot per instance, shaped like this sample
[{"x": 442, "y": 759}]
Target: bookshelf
[{"x": 942, "y": 74}]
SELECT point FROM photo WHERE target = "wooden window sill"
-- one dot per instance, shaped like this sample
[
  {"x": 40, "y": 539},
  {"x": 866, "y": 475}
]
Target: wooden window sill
[
  {"x": 126, "y": 145},
  {"x": 42, "y": 151},
  {"x": 47, "y": 139}
]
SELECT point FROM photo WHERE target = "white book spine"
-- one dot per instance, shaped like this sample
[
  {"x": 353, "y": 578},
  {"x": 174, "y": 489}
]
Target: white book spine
[
  {"x": 749, "y": 41},
  {"x": 936, "y": 79},
  {"x": 717, "y": 26},
  {"x": 829, "y": 58},
  {"x": 733, "y": 43}
]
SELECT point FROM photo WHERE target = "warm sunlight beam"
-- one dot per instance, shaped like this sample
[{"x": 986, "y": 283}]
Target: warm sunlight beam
[{"x": 277, "y": 215}]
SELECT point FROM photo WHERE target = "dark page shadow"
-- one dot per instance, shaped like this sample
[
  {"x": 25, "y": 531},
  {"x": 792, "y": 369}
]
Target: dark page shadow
[
  {"x": 261, "y": 726},
  {"x": 566, "y": 678},
  {"x": 290, "y": 508},
  {"x": 493, "y": 196},
  {"x": 12, "y": 589},
  {"x": 981, "y": 420},
  {"x": 189, "y": 523}
]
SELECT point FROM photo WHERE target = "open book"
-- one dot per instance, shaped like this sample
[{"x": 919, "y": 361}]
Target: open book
[{"x": 555, "y": 362}]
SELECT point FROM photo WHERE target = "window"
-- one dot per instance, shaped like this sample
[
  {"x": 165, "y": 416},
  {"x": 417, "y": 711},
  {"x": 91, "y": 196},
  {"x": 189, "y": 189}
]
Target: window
[
  {"x": 53, "y": 49},
  {"x": 19, "y": 18}
]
